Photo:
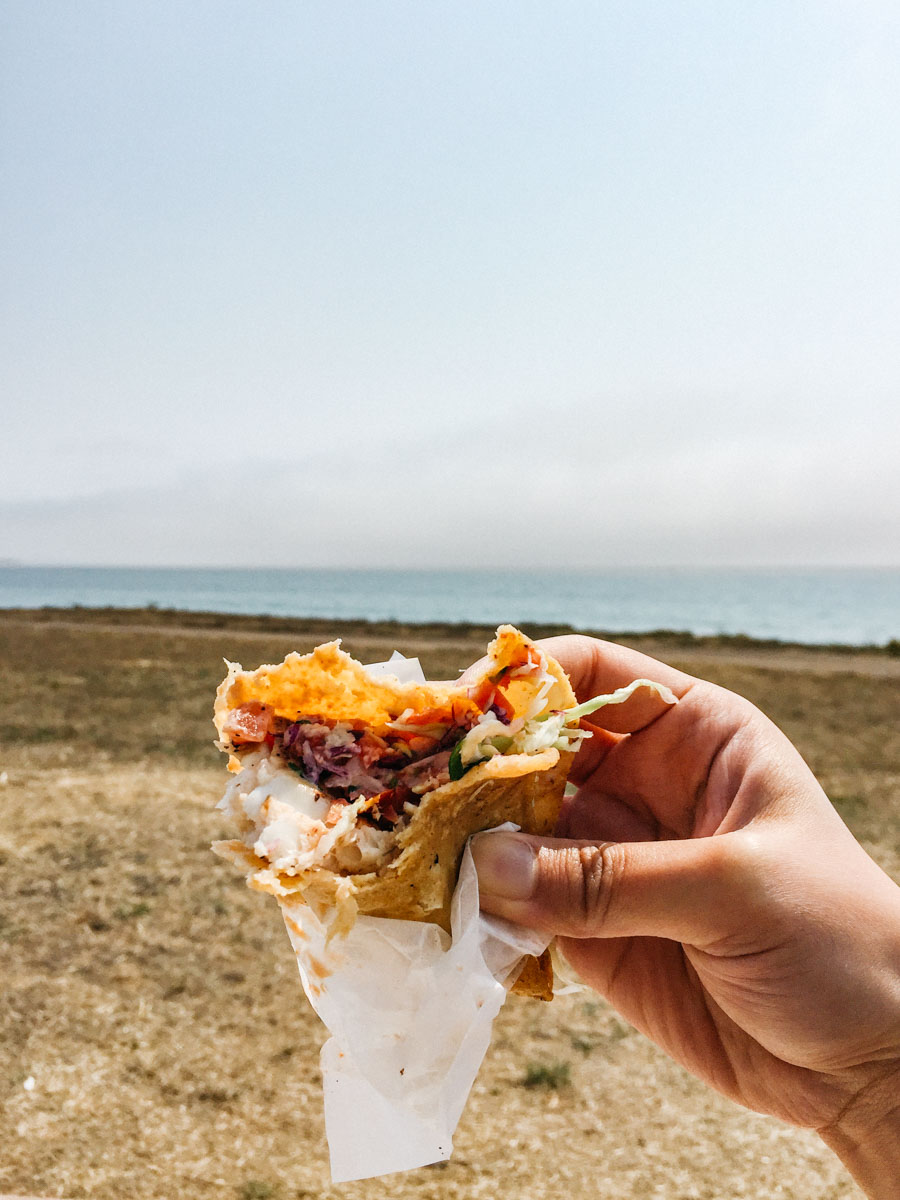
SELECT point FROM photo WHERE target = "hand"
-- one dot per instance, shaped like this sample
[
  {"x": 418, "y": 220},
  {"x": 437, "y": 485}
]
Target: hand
[{"x": 704, "y": 884}]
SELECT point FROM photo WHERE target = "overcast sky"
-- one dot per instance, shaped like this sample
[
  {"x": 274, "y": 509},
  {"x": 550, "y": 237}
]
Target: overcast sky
[{"x": 450, "y": 283}]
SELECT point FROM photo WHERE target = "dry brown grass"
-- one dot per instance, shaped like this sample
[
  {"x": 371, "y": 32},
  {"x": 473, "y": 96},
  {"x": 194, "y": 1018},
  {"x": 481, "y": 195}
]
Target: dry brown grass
[{"x": 154, "y": 1000}]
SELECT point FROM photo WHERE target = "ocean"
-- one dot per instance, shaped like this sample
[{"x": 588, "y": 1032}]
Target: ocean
[{"x": 856, "y": 606}]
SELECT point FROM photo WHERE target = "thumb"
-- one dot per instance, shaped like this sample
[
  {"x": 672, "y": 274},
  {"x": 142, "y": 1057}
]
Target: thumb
[{"x": 682, "y": 890}]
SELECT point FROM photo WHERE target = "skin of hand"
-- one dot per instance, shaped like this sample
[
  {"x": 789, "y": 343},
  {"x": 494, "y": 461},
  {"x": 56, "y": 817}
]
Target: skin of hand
[{"x": 704, "y": 884}]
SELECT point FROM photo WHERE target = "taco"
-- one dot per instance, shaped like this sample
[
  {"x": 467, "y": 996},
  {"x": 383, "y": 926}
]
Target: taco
[{"x": 357, "y": 794}]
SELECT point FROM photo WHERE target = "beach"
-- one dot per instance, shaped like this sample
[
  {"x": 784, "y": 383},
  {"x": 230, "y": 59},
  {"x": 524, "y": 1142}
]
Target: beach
[{"x": 154, "y": 1039}]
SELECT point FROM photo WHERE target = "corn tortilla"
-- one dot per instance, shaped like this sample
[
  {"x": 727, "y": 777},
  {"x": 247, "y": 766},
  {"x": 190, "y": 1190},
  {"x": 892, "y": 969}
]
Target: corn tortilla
[{"x": 417, "y": 881}]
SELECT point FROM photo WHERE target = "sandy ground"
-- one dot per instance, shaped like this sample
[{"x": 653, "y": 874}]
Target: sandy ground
[{"x": 153, "y": 1000}]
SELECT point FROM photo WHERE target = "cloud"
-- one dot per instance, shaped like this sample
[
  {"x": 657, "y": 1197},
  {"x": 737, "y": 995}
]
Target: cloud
[{"x": 537, "y": 490}]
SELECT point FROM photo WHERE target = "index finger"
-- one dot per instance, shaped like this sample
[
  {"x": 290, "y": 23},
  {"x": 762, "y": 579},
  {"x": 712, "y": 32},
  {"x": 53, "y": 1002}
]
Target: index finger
[{"x": 595, "y": 668}]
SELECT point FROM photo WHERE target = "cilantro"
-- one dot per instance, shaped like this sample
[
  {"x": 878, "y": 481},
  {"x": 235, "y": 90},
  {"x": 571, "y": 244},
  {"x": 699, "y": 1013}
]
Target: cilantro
[{"x": 455, "y": 765}]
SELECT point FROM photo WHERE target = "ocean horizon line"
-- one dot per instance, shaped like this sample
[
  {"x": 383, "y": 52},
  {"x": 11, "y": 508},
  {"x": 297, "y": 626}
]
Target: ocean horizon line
[
  {"x": 824, "y": 605},
  {"x": 573, "y": 568}
]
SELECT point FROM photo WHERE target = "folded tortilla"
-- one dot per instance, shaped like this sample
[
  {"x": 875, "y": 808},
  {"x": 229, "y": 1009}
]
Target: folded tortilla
[{"x": 340, "y": 862}]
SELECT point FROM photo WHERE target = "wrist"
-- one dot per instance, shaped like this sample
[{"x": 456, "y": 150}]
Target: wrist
[{"x": 866, "y": 1136}]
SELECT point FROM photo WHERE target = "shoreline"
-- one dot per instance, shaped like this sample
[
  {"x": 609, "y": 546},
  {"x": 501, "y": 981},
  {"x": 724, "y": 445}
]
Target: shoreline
[{"x": 154, "y": 617}]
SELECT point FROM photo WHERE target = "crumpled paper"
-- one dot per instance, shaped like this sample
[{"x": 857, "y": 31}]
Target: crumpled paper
[{"x": 410, "y": 1012}]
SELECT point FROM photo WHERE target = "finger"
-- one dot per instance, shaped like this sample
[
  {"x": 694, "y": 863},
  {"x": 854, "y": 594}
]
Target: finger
[
  {"x": 589, "y": 817},
  {"x": 629, "y": 970},
  {"x": 683, "y": 890},
  {"x": 595, "y": 668},
  {"x": 593, "y": 751}
]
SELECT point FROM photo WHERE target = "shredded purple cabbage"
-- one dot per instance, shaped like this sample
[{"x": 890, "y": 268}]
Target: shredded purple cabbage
[
  {"x": 320, "y": 751},
  {"x": 330, "y": 758}
]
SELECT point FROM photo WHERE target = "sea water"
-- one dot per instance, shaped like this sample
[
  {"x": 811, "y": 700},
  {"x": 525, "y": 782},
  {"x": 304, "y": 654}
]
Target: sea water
[{"x": 853, "y": 605}]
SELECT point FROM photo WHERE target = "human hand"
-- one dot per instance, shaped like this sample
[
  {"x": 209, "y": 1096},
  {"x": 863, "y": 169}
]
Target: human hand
[{"x": 704, "y": 884}]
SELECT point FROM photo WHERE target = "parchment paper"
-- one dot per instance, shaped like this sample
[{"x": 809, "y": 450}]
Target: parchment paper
[{"x": 410, "y": 1013}]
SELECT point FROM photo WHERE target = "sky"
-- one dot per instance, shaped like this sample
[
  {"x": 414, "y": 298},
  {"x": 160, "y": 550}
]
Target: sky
[{"x": 450, "y": 283}]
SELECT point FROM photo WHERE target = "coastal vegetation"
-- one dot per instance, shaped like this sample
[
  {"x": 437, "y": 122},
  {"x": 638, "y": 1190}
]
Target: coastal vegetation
[{"x": 154, "y": 1040}]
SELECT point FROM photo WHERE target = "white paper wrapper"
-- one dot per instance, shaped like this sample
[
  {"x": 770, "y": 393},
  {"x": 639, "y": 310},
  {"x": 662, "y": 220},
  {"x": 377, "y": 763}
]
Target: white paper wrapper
[
  {"x": 407, "y": 670},
  {"x": 410, "y": 1012}
]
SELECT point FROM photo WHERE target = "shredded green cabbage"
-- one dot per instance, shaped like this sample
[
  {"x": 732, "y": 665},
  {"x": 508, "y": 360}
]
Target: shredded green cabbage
[
  {"x": 559, "y": 729},
  {"x": 617, "y": 697}
]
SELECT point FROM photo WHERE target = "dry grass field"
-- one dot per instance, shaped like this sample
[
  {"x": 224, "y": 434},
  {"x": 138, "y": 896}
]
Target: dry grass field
[{"x": 154, "y": 1040}]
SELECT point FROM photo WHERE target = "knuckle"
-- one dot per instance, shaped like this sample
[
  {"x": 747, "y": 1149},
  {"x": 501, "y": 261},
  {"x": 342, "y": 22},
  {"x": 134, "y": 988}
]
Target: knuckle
[
  {"x": 740, "y": 864},
  {"x": 581, "y": 885}
]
